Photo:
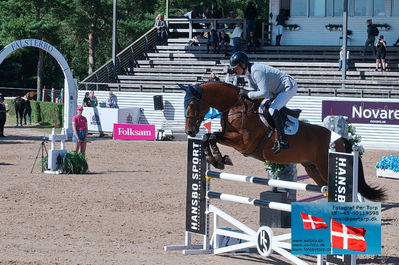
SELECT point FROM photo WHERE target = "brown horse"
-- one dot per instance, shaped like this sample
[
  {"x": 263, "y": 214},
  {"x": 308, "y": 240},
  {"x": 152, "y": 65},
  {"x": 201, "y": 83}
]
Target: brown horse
[
  {"x": 31, "y": 95},
  {"x": 243, "y": 130}
]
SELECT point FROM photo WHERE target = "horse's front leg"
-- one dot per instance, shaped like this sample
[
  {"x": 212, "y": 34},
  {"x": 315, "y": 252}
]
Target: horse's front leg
[
  {"x": 207, "y": 150},
  {"x": 221, "y": 160}
]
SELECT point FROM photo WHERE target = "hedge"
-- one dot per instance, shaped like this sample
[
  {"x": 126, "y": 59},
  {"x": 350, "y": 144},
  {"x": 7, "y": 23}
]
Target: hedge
[{"x": 42, "y": 112}]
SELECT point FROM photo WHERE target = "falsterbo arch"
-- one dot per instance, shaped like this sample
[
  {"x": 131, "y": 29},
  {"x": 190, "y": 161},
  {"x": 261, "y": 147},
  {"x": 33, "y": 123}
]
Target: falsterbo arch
[{"x": 70, "y": 85}]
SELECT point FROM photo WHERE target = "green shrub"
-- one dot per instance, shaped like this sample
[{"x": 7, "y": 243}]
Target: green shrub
[
  {"x": 74, "y": 163},
  {"x": 42, "y": 112},
  {"x": 51, "y": 113}
]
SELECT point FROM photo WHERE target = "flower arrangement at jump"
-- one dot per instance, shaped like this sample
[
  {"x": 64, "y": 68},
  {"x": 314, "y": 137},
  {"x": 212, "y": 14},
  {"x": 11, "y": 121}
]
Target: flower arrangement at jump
[
  {"x": 388, "y": 167},
  {"x": 71, "y": 163}
]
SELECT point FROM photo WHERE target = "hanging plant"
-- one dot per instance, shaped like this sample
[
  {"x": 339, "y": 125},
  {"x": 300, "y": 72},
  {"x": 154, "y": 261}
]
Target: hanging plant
[
  {"x": 292, "y": 27},
  {"x": 383, "y": 27},
  {"x": 334, "y": 27}
]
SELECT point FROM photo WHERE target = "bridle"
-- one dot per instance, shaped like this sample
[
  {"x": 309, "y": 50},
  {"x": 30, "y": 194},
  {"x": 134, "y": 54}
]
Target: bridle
[{"x": 200, "y": 119}]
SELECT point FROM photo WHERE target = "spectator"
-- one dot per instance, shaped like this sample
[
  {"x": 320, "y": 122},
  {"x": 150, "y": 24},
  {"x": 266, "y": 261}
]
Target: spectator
[
  {"x": 250, "y": 15},
  {"x": 193, "y": 13},
  {"x": 341, "y": 59},
  {"x": 236, "y": 36},
  {"x": 93, "y": 99},
  {"x": 231, "y": 79},
  {"x": 381, "y": 53},
  {"x": 162, "y": 29},
  {"x": 195, "y": 41},
  {"x": 372, "y": 32},
  {"x": 396, "y": 43},
  {"x": 213, "y": 41},
  {"x": 86, "y": 100},
  {"x": 28, "y": 111},
  {"x": 112, "y": 100},
  {"x": 3, "y": 116},
  {"x": 224, "y": 41},
  {"x": 219, "y": 14},
  {"x": 19, "y": 105},
  {"x": 281, "y": 19},
  {"x": 213, "y": 77},
  {"x": 231, "y": 15},
  {"x": 252, "y": 42},
  {"x": 206, "y": 14},
  {"x": 79, "y": 127}
]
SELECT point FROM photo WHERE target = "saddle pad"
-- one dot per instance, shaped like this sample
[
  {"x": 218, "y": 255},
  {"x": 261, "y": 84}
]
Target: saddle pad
[{"x": 291, "y": 125}]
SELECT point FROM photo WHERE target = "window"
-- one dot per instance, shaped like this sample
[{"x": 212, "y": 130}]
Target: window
[
  {"x": 364, "y": 8},
  {"x": 317, "y": 8},
  {"x": 329, "y": 8},
  {"x": 395, "y": 8},
  {"x": 299, "y": 8},
  {"x": 338, "y": 8},
  {"x": 380, "y": 8}
]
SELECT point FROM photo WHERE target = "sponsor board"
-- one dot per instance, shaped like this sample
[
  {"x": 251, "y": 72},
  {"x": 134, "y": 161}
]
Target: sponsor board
[
  {"x": 366, "y": 112},
  {"x": 134, "y": 132},
  {"x": 196, "y": 188}
]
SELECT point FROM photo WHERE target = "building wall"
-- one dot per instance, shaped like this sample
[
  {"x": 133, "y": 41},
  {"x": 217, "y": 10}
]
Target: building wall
[{"x": 313, "y": 32}]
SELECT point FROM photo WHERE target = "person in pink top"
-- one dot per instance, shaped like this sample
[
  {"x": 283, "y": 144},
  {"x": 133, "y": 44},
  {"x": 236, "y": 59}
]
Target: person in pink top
[{"x": 79, "y": 126}]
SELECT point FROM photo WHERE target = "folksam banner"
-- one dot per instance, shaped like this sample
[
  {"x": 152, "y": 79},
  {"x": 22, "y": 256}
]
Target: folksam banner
[{"x": 134, "y": 132}]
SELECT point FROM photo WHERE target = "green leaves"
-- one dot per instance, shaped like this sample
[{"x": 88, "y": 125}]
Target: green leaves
[{"x": 74, "y": 163}]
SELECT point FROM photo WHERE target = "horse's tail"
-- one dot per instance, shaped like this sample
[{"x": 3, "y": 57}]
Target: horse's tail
[{"x": 370, "y": 193}]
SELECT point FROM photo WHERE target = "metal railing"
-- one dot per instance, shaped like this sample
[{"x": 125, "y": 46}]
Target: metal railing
[
  {"x": 218, "y": 24},
  {"x": 125, "y": 59}
]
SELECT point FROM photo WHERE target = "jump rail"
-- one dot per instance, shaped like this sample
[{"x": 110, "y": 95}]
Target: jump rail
[{"x": 268, "y": 182}]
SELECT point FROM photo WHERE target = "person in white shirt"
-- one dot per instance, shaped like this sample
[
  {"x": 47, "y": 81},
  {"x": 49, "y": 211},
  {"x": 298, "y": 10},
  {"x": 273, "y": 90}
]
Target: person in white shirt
[
  {"x": 341, "y": 59},
  {"x": 236, "y": 36}
]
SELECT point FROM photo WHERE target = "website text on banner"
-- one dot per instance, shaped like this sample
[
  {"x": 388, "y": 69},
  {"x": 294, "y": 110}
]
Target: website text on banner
[{"x": 134, "y": 132}]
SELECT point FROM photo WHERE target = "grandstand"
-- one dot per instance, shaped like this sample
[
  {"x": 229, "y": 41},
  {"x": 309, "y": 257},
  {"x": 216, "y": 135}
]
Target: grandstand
[{"x": 146, "y": 66}]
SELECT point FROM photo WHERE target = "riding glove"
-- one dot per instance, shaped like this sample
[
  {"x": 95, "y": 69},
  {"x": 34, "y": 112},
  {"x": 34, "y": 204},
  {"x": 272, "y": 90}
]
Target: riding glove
[{"x": 244, "y": 93}]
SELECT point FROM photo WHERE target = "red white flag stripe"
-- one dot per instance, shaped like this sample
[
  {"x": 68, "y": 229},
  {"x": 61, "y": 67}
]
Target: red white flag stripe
[
  {"x": 313, "y": 222},
  {"x": 347, "y": 237}
]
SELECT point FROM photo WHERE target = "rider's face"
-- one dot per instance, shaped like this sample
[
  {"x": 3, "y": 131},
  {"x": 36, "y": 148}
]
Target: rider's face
[{"x": 239, "y": 70}]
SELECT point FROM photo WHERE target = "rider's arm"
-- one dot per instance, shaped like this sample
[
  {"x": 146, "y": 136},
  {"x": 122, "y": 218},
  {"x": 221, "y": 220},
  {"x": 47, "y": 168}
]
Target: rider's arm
[{"x": 259, "y": 77}]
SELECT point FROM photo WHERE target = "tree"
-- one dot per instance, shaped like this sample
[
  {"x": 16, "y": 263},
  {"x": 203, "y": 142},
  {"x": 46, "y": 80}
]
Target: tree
[{"x": 30, "y": 19}]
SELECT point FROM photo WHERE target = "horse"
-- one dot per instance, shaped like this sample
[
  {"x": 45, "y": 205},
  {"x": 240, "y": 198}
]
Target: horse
[
  {"x": 31, "y": 95},
  {"x": 243, "y": 130},
  {"x": 19, "y": 105}
]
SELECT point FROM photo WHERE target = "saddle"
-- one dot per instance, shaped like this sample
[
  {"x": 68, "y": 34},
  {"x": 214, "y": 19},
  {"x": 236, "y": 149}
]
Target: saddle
[{"x": 289, "y": 117}]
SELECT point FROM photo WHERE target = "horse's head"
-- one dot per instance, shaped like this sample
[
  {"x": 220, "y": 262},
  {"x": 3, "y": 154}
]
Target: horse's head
[{"x": 195, "y": 108}]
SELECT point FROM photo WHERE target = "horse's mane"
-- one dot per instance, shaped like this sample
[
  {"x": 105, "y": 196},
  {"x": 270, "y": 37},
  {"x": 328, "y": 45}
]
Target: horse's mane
[{"x": 206, "y": 83}]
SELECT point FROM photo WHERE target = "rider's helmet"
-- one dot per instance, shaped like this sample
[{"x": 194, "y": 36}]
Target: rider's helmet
[{"x": 238, "y": 59}]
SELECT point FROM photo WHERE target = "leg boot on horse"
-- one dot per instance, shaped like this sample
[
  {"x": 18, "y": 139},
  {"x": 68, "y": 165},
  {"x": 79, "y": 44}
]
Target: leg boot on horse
[{"x": 281, "y": 142}]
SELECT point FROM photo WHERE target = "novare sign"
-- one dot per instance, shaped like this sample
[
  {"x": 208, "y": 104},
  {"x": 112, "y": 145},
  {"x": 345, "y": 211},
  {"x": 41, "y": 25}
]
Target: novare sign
[
  {"x": 134, "y": 132},
  {"x": 369, "y": 112}
]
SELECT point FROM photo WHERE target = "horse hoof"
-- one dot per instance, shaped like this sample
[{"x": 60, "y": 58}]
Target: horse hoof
[
  {"x": 227, "y": 160},
  {"x": 219, "y": 166}
]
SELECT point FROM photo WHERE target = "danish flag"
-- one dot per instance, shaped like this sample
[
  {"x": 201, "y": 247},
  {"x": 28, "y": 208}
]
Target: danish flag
[
  {"x": 313, "y": 222},
  {"x": 347, "y": 237}
]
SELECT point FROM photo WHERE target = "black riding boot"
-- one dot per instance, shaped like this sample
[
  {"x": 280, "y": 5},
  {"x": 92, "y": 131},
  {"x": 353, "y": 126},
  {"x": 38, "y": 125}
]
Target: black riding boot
[{"x": 282, "y": 142}]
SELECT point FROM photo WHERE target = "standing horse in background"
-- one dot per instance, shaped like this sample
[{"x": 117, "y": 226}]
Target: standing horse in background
[
  {"x": 19, "y": 105},
  {"x": 31, "y": 95},
  {"x": 243, "y": 130}
]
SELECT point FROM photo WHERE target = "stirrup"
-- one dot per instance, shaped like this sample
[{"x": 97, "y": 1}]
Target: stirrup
[{"x": 280, "y": 145}]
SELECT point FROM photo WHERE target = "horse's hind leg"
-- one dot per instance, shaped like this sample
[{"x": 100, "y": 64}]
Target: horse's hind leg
[
  {"x": 225, "y": 160},
  {"x": 207, "y": 151},
  {"x": 315, "y": 173}
]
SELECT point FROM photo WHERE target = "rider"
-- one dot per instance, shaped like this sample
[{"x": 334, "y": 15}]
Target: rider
[{"x": 269, "y": 83}]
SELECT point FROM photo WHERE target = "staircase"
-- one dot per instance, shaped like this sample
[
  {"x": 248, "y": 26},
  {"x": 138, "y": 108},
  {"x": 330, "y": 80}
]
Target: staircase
[
  {"x": 146, "y": 66},
  {"x": 314, "y": 68}
]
